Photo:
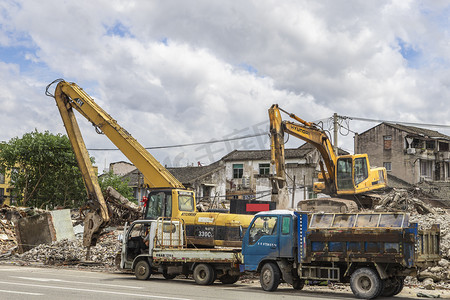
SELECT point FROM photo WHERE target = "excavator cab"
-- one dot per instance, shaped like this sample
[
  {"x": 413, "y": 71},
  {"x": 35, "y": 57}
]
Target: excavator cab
[
  {"x": 169, "y": 203},
  {"x": 354, "y": 175}
]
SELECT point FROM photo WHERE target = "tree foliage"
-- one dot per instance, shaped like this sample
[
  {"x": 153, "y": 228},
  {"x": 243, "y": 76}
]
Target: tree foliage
[
  {"x": 44, "y": 170},
  {"x": 115, "y": 181}
]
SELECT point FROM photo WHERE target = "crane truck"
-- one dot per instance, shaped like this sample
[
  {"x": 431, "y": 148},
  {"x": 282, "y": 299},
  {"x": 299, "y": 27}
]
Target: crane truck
[
  {"x": 167, "y": 196},
  {"x": 345, "y": 176}
]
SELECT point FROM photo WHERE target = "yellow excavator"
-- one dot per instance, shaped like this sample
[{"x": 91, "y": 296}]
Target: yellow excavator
[
  {"x": 167, "y": 197},
  {"x": 346, "y": 176}
]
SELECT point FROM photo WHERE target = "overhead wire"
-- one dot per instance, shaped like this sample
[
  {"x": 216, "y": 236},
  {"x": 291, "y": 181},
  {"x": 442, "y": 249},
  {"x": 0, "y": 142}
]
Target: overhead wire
[
  {"x": 189, "y": 144},
  {"x": 398, "y": 122}
]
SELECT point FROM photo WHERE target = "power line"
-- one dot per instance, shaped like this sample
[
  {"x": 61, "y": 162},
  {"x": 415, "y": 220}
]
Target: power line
[
  {"x": 398, "y": 122},
  {"x": 190, "y": 144}
]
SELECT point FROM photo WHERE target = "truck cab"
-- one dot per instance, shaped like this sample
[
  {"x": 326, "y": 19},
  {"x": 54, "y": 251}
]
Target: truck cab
[{"x": 271, "y": 235}]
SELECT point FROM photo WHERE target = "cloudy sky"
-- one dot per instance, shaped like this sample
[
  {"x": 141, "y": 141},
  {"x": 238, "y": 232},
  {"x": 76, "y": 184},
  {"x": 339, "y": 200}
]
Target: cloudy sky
[{"x": 181, "y": 72}]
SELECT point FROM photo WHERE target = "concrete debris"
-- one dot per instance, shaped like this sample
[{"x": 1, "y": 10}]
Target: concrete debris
[
  {"x": 423, "y": 295},
  {"x": 122, "y": 210},
  {"x": 441, "y": 217},
  {"x": 68, "y": 252},
  {"x": 8, "y": 241},
  {"x": 402, "y": 200},
  {"x": 43, "y": 229},
  {"x": 441, "y": 272}
]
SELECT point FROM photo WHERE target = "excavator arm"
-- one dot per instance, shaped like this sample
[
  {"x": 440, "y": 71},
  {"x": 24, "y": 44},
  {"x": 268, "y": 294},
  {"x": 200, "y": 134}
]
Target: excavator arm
[
  {"x": 70, "y": 96},
  {"x": 310, "y": 133}
]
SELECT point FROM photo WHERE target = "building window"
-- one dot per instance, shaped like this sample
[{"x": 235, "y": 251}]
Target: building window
[
  {"x": 417, "y": 144},
  {"x": 430, "y": 145},
  {"x": 387, "y": 142},
  {"x": 443, "y": 146},
  {"x": 388, "y": 166},
  {"x": 264, "y": 169},
  {"x": 238, "y": 170},
  {"x": 426, "y": 168}
]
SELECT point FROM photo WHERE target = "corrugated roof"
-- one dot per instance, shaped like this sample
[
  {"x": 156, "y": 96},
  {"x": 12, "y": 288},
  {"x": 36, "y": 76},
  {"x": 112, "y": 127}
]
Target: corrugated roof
[
  {"x": 240, "y": 155},
  {"x": 190, "y": 174},
  {"x": 183, "y": 174},
  {"x": 428, "y": 133}
]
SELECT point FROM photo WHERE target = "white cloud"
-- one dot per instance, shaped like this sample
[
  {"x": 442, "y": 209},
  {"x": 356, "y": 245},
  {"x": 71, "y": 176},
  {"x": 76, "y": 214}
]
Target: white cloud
[{"x": 176, "y": 72}]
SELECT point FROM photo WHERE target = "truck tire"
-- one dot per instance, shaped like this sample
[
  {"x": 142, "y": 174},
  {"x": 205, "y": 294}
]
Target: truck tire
[
  {"x": 401, "y": 282},
  {"x": 298, "y": 284},
  {"x": 392, "y": 286},
  {"x": 270, "y": 277},
  {"x": 169, "y": 276},
  {"x": 204, "y": 274},
  {"x": 366, "y": 284},
  {"x": 229, "y": 279},
  {"x": 142, "y": 270}
]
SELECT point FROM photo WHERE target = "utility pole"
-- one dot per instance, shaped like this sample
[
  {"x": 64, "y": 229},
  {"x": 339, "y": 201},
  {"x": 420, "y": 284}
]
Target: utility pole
[
  {"x": 335, "y": 130},
  {"x": 293, "y": 193}
]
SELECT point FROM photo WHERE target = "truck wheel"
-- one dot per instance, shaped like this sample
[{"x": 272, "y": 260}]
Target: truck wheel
[
  {"x": 270, "y": 277},
  {"x": 117, "y": 260},
  {"x": 298, "y": 284},
  {"x": 142, "y": 270},
  {"x": 229, "y": 279},
  {"x": 204, "y": 274},
  {"x": 392, "y": 286},
  {"x": 169, "y": 276},
  {"x": 401, "y": 282},
  {"x": 366, "y": 284}
]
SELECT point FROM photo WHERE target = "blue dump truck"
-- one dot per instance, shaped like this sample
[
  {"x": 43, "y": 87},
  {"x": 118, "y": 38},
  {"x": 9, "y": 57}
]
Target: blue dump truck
[{"x": 373, "y": 252}]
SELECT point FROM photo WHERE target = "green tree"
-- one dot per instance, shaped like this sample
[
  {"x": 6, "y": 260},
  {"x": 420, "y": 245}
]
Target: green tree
[
  {"x": 45, "y": 170},
  {"x": 116, "y": 182}
]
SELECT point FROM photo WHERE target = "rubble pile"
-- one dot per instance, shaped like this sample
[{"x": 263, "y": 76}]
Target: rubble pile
[
  {"x": 67, "y": 252},
  {"x": 8, "y": 242},
  {"x": 441, "y": 217},
  {"x": 122, "y": 210},
  {"x": 403, "y": 200},
  {"x": 439, "y": 275}
]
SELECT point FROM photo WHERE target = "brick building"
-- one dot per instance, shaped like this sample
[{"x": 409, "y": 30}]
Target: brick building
[{"x": 411, "y": 154}]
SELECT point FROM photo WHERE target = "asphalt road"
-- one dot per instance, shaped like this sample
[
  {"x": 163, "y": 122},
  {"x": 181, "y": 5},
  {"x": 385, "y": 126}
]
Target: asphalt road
[{"x": 18, "y": 282}]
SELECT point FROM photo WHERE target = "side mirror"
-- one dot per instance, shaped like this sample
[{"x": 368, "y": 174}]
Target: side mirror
[{"x": 241, "y": 232}]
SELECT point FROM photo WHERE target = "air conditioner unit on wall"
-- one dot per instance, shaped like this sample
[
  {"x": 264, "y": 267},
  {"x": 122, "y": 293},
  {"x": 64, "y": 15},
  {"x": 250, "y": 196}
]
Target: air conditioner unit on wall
[
  {"x": 246, "y": 182},
  {"x": 411, "y": 151}
]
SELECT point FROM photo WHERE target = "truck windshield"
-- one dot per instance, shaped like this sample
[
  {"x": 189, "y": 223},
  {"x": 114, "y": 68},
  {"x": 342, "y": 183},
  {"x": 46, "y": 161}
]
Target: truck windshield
[
  {"x": 262, "y": 226},
  {"x": 159, "y": 205}
]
